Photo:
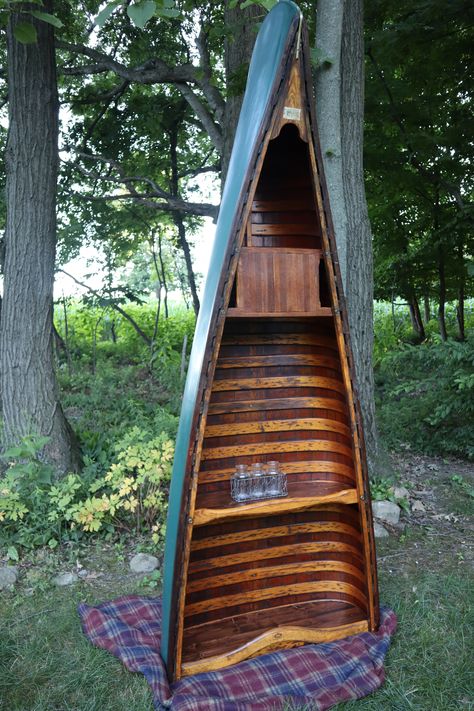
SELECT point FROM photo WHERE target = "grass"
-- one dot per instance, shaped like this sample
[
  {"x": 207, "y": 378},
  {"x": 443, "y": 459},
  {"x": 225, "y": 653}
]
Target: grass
[
  {"x": 426, "y": 575},
  {"x": 46, "y": 664}
]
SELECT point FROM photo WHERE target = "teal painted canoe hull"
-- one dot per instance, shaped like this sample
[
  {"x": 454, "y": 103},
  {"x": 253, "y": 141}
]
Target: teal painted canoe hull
[{"x": 265, "y": 68}]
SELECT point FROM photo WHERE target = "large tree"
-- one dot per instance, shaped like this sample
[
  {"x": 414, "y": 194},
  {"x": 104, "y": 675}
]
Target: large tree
[
  {"x": 30, "y": 398},
  {"x": 340, "y": 113}
]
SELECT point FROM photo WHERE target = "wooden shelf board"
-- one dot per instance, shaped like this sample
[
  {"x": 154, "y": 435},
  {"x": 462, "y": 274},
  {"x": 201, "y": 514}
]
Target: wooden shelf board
[
  {"x": 234, "y": 312},
  {"x": 301, "y": 496},
  {"x": 219, "y": 644}
]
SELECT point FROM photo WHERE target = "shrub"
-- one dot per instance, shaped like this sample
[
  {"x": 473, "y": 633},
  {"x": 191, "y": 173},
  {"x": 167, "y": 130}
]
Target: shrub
[
  {"x": 426, "y": 397},
  {"x": 35, "y": 510}
]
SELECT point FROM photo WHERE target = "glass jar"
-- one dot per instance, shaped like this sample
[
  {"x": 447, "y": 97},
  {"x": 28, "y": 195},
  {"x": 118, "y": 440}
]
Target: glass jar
[
  {"x": 257, "y": 481},
  {"x": 240, "y": 483}
]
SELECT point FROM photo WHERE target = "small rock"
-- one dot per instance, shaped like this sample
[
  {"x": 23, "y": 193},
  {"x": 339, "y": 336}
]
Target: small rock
[
  {"x": 64, "y": 579},
  {"x": 380, "y": 531},
  {"x": 401, "y": 492},
  {"x": 386, "y": 511},
  {"x": 83, "y": 573},
  {"x": 8, "y": 576},
  {"x": 143, "y": 563},
  {"x": 418, "y": 507}
]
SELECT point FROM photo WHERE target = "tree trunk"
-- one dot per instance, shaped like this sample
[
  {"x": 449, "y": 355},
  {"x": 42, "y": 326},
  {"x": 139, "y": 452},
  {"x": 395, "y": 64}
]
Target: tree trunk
[
  {"x": 240, "y": 39},
  {"x": 442, "y": 296},
  {"x": 415, "y": 316},
  {"x": 460, "y": 313},
  {"x": 327, "y": 84},
  {"x": 30, "y": 397},
  {"x": 427, "y": 308},
  {"x": 340, "y": 112}
]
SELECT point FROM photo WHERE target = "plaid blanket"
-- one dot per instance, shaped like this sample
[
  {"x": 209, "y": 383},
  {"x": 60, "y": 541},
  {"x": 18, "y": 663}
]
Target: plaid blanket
[{"x": 314, "y": 676}]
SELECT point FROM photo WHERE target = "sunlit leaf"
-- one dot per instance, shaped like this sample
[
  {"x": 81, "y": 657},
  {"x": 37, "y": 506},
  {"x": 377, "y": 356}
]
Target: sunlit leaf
[
  {"x": 46, "y": 17},
  {"x": 141, "y": 12}
]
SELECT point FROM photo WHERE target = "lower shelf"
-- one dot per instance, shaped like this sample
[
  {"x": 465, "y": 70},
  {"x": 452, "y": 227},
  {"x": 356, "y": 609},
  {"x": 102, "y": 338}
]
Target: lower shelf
[
  {"x": 220, "y": 644},
  {"x": 221, "y": 507}
]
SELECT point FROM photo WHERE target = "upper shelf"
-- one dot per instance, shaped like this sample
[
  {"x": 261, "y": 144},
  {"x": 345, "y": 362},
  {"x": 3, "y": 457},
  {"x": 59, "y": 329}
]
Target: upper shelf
[
  {"x": 234, "y": 312},
  {"x": 221, "y": 507}
]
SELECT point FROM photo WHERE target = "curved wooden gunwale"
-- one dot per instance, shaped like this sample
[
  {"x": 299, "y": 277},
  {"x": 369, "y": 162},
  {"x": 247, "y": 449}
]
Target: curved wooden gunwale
[{"x": 282, "y": 637}]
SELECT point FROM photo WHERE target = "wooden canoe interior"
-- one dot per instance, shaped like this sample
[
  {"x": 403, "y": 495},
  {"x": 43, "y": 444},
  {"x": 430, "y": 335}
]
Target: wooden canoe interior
[{"x": 277, "y": 572}]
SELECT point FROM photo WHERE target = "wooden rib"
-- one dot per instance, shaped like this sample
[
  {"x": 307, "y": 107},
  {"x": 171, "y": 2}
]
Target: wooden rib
[
  {"x": 267, "y": 507},
  {"x": 274, "y": 360},
  {"x": 279, "y": 339},
  {"x": 305, "y": 445},
  {"x": 300, "y": 204},
  {"x": 324, "y": 311},
  {"x": 271, "y": 593},
  {"x": 281, "y": 637},
  {"x": 258, "y": 534},
  {"x": 315, "y": 466},
  {"x": 274, "y": 552},
  {"x": 290, "y": 381},
  {"x": 313, "y": 423},
  {"x": 285, "y": 229},
  {"x": 274, "y": 571},
  {"x": 294, "y": 403}
]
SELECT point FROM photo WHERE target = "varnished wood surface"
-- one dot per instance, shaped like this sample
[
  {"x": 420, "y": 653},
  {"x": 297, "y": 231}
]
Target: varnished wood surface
[
  {"x": 230, "y": 634},
  {"x": 275, "y": 592},
  {"x": 283, "y": 637},
  {"x": 273, "y": 533},
  {"x": 296, "y": 381},
  {"x": 267, "y": 507},
  {"x": 273, "y": 571},
  {"x": 315, "y": 423},
  {"x": 316, "y": 466},
  {"x": 271, "y": 404}
]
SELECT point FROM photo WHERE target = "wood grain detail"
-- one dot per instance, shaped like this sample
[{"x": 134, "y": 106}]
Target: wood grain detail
[
  {"x": 315, "y": 423},
  {"x": 275, "y": 592},
  {"x": 282, "y": 637},
  {"x": 296, "y": 381},
  {"x": 268, "y": 507}
]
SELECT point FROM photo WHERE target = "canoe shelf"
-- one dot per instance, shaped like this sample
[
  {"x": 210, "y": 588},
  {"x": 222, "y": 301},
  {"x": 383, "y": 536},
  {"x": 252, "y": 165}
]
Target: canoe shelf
[
  {"x": 298, "y": 500},
  {"x": 270, "y": 378},
  {"x": 278, "y": 281}
]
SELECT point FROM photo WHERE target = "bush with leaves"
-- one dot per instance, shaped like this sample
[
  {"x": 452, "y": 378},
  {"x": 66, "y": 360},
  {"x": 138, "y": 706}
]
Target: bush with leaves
[
  {"x": 426, "y": 397},
  {"x": 36, "y": 510}
]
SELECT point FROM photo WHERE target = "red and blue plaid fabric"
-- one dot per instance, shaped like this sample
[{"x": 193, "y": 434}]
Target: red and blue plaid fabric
[{"x": 313, "y": 676}]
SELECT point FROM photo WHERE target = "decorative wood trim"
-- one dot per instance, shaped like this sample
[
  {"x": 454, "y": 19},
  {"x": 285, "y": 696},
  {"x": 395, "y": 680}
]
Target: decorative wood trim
[
  {"x": 293, "y": 403},
  {"x": 273, "y": 571},
  {"x": 331, "y": 586},
  {"x": 258, "y": 448},
  {"x": 272, "y": 532},
  {"x": 313, "y": 423},
  {"x": 268, "y": 507},
  {"x": 278, "y": 638},
  {"x": 291, "y": 381},
  {"x": 267, "y": 361}
]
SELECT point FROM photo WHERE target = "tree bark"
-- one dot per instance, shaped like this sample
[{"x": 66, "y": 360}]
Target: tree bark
[
  {"x": 30, "y": 396},
  {"x": 340, "y": 112},
  {"x": 460, "y": 313},
  {"x": 442, "y": 296},
  {"x": 327, "y": 84},
  {"x": 415, "y": 316},
  {"x": 239, "y": 42},
  {"x": 427, "y": 308}
]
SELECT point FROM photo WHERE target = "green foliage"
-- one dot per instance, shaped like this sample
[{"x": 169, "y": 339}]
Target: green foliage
[
  {"x": 426, "y": 397},
  {"x": 131, "y": 496}
]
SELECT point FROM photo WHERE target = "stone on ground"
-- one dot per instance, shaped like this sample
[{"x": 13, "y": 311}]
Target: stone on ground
[
  {"x": 379, "y": 530},
  {"x": 143, "y": 563},
  {"x": 62, "y": 580},
  {"x": 418, "y": 507},
  {"x": 386, "y": 511},
  {"x": 8, "y": 576},
  {"x": 401, "y": 492}
]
